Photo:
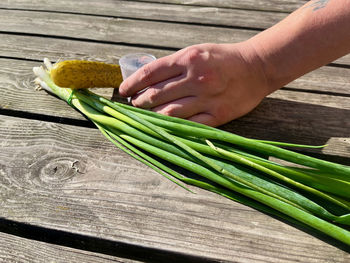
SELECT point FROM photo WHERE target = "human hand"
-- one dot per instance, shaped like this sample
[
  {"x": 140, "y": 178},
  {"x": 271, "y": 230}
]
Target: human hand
[{"x": 207, "y": 83}]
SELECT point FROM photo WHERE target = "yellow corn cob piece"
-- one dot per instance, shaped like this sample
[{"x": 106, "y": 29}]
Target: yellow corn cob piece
[{"x": 81, "y": 74}]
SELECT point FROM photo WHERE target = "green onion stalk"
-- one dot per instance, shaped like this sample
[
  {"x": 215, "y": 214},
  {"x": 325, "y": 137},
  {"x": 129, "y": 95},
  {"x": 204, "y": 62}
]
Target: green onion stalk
[{"x": 314, "y": 195}]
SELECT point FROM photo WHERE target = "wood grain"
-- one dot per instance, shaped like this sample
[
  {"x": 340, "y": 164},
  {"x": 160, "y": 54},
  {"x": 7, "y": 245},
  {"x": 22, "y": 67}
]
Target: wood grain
[
  {"x": 155, "y": 11},
  {"x": 67, "y": 194},
  {"x": 16, "y": 249},
  {"x": 298, "y": 117},
  {"x": 331, "y": 80},
  {"x": 123, "y": 31},
  {"x": 34, "y": 48},
  {"x": 273, "y": 5},
  {"x": 334, "y": 80},
  {"x": 69, "y": 178},
  {"x": 117, "y": 30},
  {"x": 301, "y": 118}
]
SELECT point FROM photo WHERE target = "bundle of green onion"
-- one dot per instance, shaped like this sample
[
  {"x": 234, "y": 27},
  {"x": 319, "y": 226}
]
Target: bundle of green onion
[{"x": 314, "y": 194}]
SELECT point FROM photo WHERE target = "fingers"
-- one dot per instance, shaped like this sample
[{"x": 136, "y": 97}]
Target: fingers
[
  {"x": 204, "y": 118},
  {"x": 181, "y": 108},
  {"x": 187, "y": 108},
  {"x": 150, "y": 74},
  {"x": 161, "y": 93}
]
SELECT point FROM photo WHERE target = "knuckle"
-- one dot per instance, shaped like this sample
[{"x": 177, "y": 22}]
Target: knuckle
[
  {"x": 197, "y": 54},
  {"x": 207, "y": 77},
  {"x": 152, "y": 95},
  {"x": 192, "y": 54},
  {"x": 136, "y": 103},
  {"x": 170, "y": 110},
  {"x": 146, "y": 99},
  {"x": 146, "y": 74}
]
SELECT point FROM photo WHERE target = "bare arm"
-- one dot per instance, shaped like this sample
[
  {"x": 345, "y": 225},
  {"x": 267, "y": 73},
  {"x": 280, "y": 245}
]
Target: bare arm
[
  {"x": 216, "y": 83},
  {"x": 312, "y": 36}
]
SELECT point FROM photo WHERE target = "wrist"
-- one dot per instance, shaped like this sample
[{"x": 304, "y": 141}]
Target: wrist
[
  {"x": 257, "y": 64},
  {"x": 304, "y": 41}
]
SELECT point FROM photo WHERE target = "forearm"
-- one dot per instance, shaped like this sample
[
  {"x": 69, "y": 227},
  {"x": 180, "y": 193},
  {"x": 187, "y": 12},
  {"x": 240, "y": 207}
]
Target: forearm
[
  {"x": 312, "y": 36},
  {"x": 216, "y": 83}
]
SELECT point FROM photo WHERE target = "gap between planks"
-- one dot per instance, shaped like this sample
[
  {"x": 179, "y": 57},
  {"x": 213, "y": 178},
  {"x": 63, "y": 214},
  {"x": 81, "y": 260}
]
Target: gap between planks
[
  {"x": 310, "y": 129},
  {"x": 95, "y": 249},
  {"x": 133, "y": 209},
  {"x": 18, "y": 249}
]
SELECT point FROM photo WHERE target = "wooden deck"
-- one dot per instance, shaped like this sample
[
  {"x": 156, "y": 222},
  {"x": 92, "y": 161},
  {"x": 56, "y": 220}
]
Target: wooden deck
[{"x": 68, "y": 195}]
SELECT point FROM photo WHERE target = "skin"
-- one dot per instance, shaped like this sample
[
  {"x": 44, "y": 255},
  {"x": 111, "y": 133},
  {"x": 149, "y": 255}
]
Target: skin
[{"x": 216, "y": 83}]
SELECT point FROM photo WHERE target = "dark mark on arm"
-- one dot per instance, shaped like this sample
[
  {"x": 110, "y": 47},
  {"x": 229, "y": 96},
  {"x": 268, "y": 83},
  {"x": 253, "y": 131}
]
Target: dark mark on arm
[{"x": 318, "y": 4}]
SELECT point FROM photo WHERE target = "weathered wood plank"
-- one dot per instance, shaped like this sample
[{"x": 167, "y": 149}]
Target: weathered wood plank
[
  {"x": 34, "y": 48},
  {"x": 117, "y": 30},
  {"x": 300, "y": 118},
  {"x": 291, "y": 116},
  {"x": 156, "y": 11},
  {"x": 273, "y": 5},
  {"x": 325, "y": 79},
  {"x": 17, "y": 249},
  {"x": 163, "y": 12},
  {"x": 70, "y": 178}
]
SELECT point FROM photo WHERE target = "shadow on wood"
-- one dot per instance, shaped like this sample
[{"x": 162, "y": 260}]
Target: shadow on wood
[{"x": 296, "y": 122}]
